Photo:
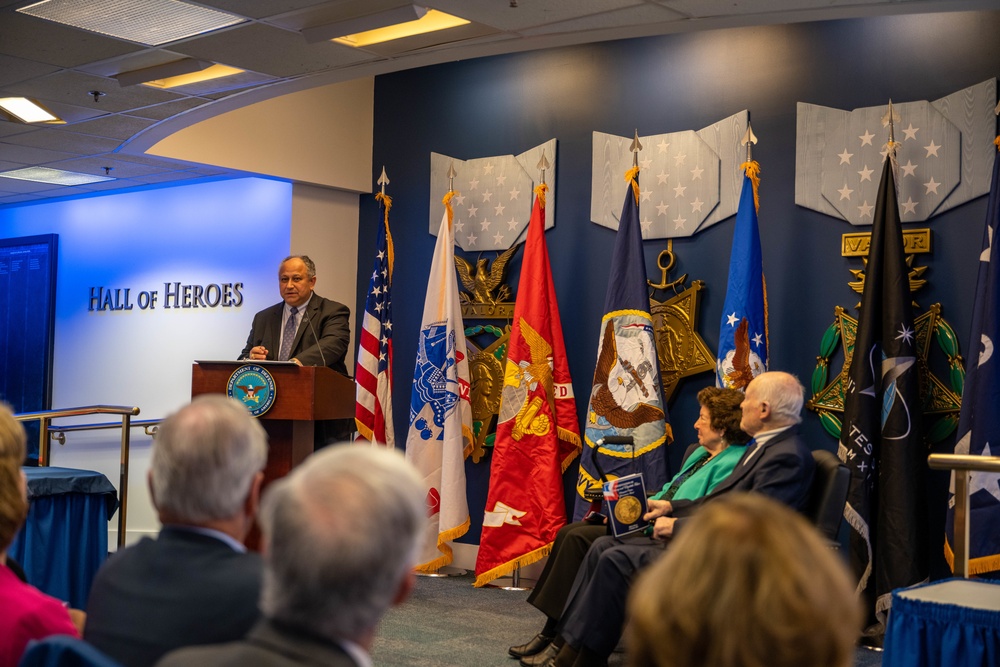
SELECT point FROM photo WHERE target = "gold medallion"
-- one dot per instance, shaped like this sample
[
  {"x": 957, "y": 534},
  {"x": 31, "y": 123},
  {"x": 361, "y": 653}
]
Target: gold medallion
[{"x": 628, "y": 509}]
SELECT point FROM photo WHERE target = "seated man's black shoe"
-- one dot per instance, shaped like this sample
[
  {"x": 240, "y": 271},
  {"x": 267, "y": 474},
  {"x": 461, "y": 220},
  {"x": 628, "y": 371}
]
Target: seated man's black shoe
[
  {"x": 543, "y": 658},
  {"x": 537, "y": 644}
]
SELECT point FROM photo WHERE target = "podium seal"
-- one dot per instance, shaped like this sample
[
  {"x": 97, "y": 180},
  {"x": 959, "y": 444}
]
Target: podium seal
[{"x": 252, "y": 386}]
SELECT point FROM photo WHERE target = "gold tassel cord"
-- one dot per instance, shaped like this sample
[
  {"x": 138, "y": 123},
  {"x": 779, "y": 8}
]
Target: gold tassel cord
[
  {"x": 447, "y": 205},
  {"x": 997, "y": 142},
  {"x": 752, "y": 170},
  {"x": 386, "y": 201},
  {"x": 631, "y": 176},
  {"x": 540, "y": 193}
]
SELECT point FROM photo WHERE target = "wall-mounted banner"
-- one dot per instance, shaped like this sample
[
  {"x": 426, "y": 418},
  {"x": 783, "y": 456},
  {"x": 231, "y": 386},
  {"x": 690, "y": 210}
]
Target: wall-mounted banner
[
  {"x": 945, "y": 155},
  {"x": 175, "y": 295},
  {"x": 493, "y": 204},
  {"x": 688, "y": 180}
]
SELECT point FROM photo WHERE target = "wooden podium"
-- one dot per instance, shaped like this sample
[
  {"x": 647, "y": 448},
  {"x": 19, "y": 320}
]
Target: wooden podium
[{"x": 303, "y": 396}]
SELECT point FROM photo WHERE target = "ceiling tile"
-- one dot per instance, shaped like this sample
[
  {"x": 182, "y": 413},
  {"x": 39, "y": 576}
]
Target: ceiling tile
[
  {"x": 630, "y": 16},
  {"x": 273, "y": 51},
  {"x": 14, "y": 69},
  {"x": 113, "y": 126},
  {"x": 30, "y": 155},
  {"x": 46, "y": 42},
  {"x": 96, "y": 165},
  {"x": 257, "y": 9},
  {"x": 8, "y": 128},
  {"x": 168, "y": 109},
  {"x": 19, "y": 186},
  {"x": 527, "y": 14},
  {"x": 63, "y": 140},
  {"x": 74, "y": 88}
]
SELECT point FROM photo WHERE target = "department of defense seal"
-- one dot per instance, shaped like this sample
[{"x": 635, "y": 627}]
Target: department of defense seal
[
  {"x": 628, "y": 509},
  {"x": 252, "y": 386}
]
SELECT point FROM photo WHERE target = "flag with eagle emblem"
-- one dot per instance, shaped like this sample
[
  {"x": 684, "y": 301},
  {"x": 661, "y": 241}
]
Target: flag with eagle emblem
[
  {"x": 625, "y": 398},
  {"x": 538, "y": 434},
  {"x": 743, "y": 331},
  {"x": 440, "y": 434}
]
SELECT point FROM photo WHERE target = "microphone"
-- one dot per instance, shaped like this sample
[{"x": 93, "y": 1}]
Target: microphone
[{"x": 305, "y": 316}]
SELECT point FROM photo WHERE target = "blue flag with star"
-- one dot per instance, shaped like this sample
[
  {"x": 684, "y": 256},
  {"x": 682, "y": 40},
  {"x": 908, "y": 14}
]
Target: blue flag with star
[
  {"x": 743, "y": 330},
  {"x": 625, "y": 397},
  {"x": 979, "y": 421},
  {"x": 881, "y": 440}
]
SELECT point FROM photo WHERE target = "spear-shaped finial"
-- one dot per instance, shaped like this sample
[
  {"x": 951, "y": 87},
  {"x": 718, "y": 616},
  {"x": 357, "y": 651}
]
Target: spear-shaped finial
[
  {"x": 749, "y": 138},
  {"x": 997, "y": 109},
  {"x": 543, "y": 164},
  {"x": 890, "y": 119},
  {"x": 383, "y": 180},
  {"x": 451, "y": 177},
  {"x": 635, "y": 148}
]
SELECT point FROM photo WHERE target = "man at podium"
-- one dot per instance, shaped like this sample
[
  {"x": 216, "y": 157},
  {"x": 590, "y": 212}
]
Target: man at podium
[{"x": 306, "y": 329}]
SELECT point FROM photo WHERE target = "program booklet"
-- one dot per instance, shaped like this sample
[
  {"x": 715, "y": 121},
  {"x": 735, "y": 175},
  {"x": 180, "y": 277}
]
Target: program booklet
[{"x": 626, "y": 498}]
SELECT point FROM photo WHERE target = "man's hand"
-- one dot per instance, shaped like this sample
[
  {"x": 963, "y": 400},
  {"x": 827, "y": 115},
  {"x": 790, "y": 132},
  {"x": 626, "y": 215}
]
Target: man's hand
[
  {"x": 656, "y": 509},
  {"x": 259, "y": 352},
  {"x": 663, "y": 529}
]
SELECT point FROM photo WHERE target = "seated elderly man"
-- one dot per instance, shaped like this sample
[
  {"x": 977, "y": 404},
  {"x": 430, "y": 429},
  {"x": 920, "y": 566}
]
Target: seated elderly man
[
  {"x": 342, "y": 533},
  {"x": 776, "y": 464},
  {"x": 195, "y": 583}
]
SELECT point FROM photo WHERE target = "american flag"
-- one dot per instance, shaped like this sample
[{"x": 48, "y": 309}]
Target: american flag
[{"x": 373, "y": 375}]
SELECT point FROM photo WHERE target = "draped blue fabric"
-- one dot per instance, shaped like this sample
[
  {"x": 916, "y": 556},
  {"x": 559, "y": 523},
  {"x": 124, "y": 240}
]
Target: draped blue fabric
[
  {"x": 63, "y": 651},
  {"x": 923, "y": 633},
  {"x": 65, "y": 538}
]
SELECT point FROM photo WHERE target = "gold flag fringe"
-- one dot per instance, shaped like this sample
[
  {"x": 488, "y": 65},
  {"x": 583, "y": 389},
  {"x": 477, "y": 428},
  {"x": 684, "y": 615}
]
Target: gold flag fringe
[
  {"x": 540, "y": 193},
  {"x": 446, "y": 556},
  {"x": 976, "y": 565},
  {"x": 997, "y": 142},
  {"x": 631, "y": 176},
  {"x": 510, "y": 566},
  {"x": 752, "y": 170}
]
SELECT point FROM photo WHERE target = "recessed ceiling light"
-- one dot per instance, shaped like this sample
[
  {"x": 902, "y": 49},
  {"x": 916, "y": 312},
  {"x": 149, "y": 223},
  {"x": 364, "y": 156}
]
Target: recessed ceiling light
[
  {"x": 432, "y": 21},
  {"x": 53, "y": 176},
  {"x": 207, "y": 74},
  {"x": 27, "y": 111},
  {"x": 150, "y": 22}
]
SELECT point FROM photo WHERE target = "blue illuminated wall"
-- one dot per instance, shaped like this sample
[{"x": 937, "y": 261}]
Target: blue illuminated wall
[
  {"x": 508, "y": 104},
  {"x": 218, "y": 233}
]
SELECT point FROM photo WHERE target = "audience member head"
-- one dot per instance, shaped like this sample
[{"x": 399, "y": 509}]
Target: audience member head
[
  {"x": 748, "y": 584},
  {"x": 724, "y": 413},
  {"x": 13, "y": 492},
  {"x": 342, "y": 533},
  {"x": 13, "y": 440},
  {"x": 773, "y": 400},
  {"x": 206, "y": 462}
]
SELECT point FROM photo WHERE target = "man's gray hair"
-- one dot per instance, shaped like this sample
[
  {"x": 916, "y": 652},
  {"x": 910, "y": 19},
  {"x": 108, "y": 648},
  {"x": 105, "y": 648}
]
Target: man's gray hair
[
  {"x": 310, "y": 265},
  {"x": 342, "y": 531},
  {"x": 783, "y": 392},
  {"x": 204, "y": 459}
]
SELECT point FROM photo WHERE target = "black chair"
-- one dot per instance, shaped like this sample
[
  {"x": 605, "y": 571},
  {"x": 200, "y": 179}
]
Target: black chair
[{"x": 828, "y": 495}]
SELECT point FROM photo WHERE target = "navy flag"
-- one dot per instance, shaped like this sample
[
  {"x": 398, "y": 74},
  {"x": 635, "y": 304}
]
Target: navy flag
[
  {"x": 625, "y": 398},
  {"x": 881, "y": 440},
  {"x": 979, "y": 421}
]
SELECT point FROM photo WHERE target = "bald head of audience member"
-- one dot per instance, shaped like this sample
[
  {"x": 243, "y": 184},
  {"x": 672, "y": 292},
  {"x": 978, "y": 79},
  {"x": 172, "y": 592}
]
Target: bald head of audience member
[
  {"x": 749, "y": 584},
  {"x": 773, "y": 400},
  {"x": 206, "y": 467},
  {"x": 342, "y": 534}
]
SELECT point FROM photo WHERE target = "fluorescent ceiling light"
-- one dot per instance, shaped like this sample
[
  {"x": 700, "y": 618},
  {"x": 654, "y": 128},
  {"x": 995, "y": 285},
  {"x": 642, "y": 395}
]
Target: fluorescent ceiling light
[
  {"x": 432, "y": 21},
  {"x": 53, "y": 176},
  {"x": 175, "y": 74},
  {"x": 150, "y": 22},
  {"x": 27, "y": 111}
]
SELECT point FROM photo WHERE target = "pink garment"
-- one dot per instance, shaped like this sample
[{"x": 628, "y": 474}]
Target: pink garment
[{"x": 25, "y": 614}]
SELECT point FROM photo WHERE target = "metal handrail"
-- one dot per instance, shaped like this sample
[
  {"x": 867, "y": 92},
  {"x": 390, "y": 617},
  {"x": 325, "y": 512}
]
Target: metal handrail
[
  {"x": 962, "y": 463},
  {"x": 45, "y": 417}
]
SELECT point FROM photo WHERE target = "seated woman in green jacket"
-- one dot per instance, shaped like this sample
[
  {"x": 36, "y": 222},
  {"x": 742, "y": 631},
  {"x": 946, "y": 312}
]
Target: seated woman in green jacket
[{"x": 720, "y": 446}]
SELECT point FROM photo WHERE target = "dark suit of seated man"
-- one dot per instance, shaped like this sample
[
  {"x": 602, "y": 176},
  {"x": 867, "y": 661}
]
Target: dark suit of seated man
[
  {"x": 343, "y": 533},
  {"x": 316, "y": 333},
  {"x": 195, "y": 583},
  {"x": 776, "y": 464}
]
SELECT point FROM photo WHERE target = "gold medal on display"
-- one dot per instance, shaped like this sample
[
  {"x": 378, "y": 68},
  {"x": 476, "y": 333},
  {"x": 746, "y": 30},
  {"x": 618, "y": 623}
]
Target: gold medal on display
[{"x": 628, "y": 509}]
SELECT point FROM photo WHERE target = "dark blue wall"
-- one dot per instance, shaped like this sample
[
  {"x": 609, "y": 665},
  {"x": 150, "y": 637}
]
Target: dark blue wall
[{"x": 508, "y": 104}]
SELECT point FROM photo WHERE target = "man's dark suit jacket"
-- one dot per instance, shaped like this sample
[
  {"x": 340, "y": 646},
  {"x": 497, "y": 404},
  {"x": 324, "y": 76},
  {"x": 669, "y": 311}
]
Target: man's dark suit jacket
[
  {"x": 267, "y": 645},
  {"x": 330, "y": 330},
  {"x": 180, "y": 589}
]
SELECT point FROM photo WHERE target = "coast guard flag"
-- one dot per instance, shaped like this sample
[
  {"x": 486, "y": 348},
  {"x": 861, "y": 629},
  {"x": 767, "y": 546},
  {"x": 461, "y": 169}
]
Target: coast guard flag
[
  {"x": 538, "y": 435},
  {"x": 625, "y": 399},
  {"x": 373, "y": 373},
  {"x": 881, "y": 440},
  {"x": 743, "y": 331},
  {"x": 440, "y": 434},
  {"x": 979, "y": 421}
]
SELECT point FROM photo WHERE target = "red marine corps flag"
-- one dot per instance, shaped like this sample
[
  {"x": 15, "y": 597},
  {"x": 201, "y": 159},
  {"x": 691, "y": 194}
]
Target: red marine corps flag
[{"x": 538, "y": 434}]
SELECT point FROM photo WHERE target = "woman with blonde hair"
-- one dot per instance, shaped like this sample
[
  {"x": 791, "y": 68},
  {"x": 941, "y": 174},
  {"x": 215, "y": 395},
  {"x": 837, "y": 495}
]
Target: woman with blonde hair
[
  {"x": 25, "y": 612},
  {"x": 749, "y": 584}
]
